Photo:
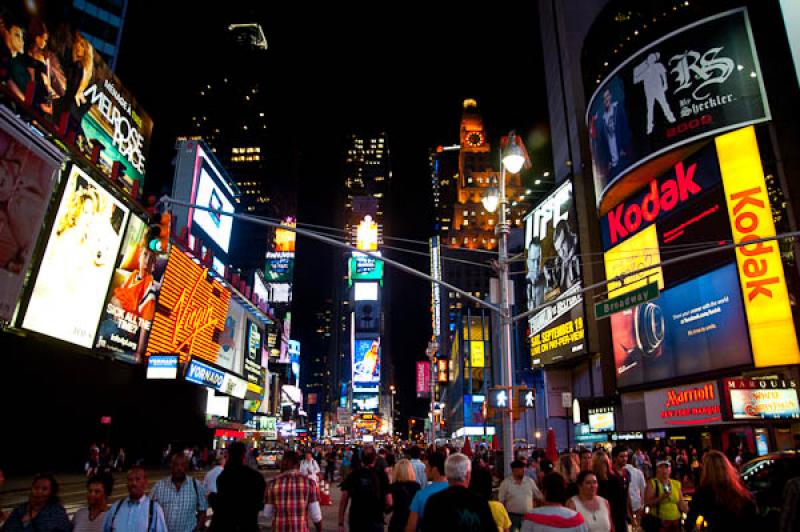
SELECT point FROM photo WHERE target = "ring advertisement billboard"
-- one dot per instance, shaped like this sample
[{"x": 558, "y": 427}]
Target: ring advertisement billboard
[
  {"x": 78, "y": 262},
  {"x": 54, "y": 71},
  {"x": 131, "y": 300},
  {"x": 191, "y": 311},
  {"x": 554, "y": 271},
  {"x": 27, "y": 176},
  {"x": 699, "y": 81}
]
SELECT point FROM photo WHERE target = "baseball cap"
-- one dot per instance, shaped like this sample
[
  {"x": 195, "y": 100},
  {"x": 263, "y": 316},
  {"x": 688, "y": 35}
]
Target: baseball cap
[{"x": 663, "y": 462}]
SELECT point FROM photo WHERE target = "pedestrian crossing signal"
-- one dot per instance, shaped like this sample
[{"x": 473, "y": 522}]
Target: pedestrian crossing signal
[
  {"x": 159, "y": 233},
  {"x": 499, "y": 398}
]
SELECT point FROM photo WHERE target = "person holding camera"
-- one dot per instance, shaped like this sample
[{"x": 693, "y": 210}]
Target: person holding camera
[{"x": 664, "y": 496}]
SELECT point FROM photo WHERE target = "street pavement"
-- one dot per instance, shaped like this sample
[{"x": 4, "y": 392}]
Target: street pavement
[{"x": 73, "y": 493}]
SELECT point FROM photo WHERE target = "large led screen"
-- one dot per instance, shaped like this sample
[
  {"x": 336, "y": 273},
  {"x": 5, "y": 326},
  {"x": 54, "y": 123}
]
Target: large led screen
[
  {"x": 73, "y": 91},
  {"x": 366, "y": 362},
  {"x": 231, "y": 341},
  {"x": 131, "y": 301},
  {"x": 213, "y": 193},
  {"x": 363, "y": 267},
  {"x": 366, "y": 402},
  {"x": 683, "y": 332},
  {"x": 554, "y": 272},
  {"x": 191, "y": 311},
  {"x": 367, "y": 317},
  {"x": 72, "y": 282},
  {"x": 27, "y": 175},
  {"x": 698, "y": 81},
  {"x": 252, "y": 360},
  {"x": 280, "y": 266}
]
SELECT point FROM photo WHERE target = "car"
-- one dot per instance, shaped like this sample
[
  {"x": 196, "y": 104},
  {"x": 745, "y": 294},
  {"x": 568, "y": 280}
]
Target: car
[
  {"x": 269, "y": 460},
  {"x": 765, "y": 477}
]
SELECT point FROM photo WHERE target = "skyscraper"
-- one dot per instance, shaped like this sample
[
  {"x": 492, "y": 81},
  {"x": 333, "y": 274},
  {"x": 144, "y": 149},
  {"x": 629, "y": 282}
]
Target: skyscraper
[{"x": 101, "y": 22}]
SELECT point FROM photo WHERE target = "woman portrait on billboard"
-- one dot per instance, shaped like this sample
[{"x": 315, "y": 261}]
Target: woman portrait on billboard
[{"x": 78, "y": 71}]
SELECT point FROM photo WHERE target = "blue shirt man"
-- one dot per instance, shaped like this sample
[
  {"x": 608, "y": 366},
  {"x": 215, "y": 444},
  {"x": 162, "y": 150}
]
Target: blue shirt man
[
  {"x": 434, "y": 473},
  {"x": 136, "y": 512}
]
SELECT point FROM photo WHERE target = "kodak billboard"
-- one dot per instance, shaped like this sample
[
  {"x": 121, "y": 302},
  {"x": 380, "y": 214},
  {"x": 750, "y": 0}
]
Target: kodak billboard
[{"x": 766, "y": 298}]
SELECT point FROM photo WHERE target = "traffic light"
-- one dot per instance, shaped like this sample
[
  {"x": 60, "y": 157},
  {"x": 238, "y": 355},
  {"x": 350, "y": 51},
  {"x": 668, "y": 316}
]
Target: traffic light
[{"x": 159, "y": 233}]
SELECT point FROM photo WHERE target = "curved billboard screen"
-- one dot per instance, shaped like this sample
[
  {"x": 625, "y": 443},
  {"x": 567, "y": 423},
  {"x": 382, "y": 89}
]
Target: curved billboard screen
[{"x": 698, "y": 81}]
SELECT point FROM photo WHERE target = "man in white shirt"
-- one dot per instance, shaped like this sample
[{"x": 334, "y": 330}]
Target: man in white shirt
[
  {"x": 636, "y": 490},
  {"x": 136, "y": 512},
  {"x": 419, "y": 467},
  {"x": 309, "y": 467},
  {"x": 210, "y": 480},
  {"x": 517, "y": 493}
]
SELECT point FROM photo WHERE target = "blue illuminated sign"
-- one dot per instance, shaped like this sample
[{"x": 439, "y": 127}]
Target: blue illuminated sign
[{"x": 205, "y": 375}]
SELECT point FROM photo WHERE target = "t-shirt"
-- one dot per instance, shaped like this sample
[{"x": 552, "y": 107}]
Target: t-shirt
[
  {"x": 82, "y": 523},
  {"x": 552, "y": 518},
  {"x": 367, "y": 488},
  {"x": 457, "y": 509},
  {"x": 500, "y": 515},
  {"x": 421, "y": 499}
]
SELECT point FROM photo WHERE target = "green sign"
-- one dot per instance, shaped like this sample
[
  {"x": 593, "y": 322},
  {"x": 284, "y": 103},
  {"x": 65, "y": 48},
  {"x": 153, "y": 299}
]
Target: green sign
[
  {"x": 628, "y": 300},
  {"x": 365, "y": 268}
]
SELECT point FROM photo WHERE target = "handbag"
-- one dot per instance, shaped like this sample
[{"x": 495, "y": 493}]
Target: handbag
[{"x": 650, "y": 521}]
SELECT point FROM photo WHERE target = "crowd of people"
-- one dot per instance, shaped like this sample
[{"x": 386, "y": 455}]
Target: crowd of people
[{"x": 413, "y": 489}]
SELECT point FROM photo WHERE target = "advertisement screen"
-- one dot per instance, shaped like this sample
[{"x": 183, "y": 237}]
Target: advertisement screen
[
  {"x": 696, "y": 82},
  {"x": 769, "y": 398},
  {"x": 683, "y": 406},
  {"x": 423, "y": 379},
  {"x": 284, "y": 238},
  {"x": 279, "y": 292},
  {"x": 473, "y": 411},
  {"x": 191, "y": 311},
  {"x": 367, "y": 317},
  {"x": 553, "y": 272},
  {"x": 231, "y": 341},
  {"x": 131, "y": 301},
  {"x": 601, "y": 419},
  {"x": 280, "y": 267},
  {"x": 252, "y": 361},
  {"x": 162, "y": 367},
  {"x": 365, "y": 268},
  {"x": 71, "y": 286},
  {"x": 683, "y": 331},
  {"x": 213, "y": 194},
  {"x": 27, "y": 176},
  {"x": 74, "y": 91},
  {"x": 365, "y": 402},
  {"x": 367, "y": 362},
  {"x": 365, "y": 291},
  {"x": 294, "y": 358}
]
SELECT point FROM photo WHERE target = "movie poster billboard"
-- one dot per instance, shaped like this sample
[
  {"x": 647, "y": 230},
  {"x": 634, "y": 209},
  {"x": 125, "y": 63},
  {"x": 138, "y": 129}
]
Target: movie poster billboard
[
  {"x": 74, "y": 275},
  {"x": 366, "y": 362},
  {"x": 695, "y": 82},
  {"x": 191, "y": 311},
  {"x": 131, "y": 301},
  {"x": 27, "y": 176},
  {"x": 554, "y": 272},
  {"x": 252, "y": 361},
  {"x": 74, "y": 91}
]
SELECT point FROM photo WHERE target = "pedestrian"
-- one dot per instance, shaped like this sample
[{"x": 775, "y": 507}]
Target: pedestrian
[
  {"x": 721, "y": 501},
  {"x": 665, "y": 498},
  {"x": 595, "y": 510},
  {"x": 347, "y": 457},
  {"x": 119, "y": 462},
  {"x": 585, "y": 459},
  {"x": 42, "y": 512},
  {"x": 368, "y": 489},
  {"x": 457, "y": 508},
  {"x": 137, "y": 512},
  {"x": 532, "y": 470},
  {"x": 568, "y": 468},
  {"x": 390, "y": 463},
  {"x": 419, "y": 468},
  {"x": 790, "y": 514},
  {"x": 435, "y": 473},
  {"x": 292, "y": 497},
  {"x": 403, "y": 490},
  {"x": 2, "y": 481},
  {"x": 330, "y": 465},
  {"x": 636, "y": 489},
  {"x": 696, "y": 466},
  {"x": 480, "y": 483},
  {"x": 309, "y": 467},
  {"x": 210, "y": 480},
  {"x": 90, "y": 519},
  {"x": 612, "y": 487},
  {"x": 181, "y": 497},
  {"x": 240, "y": 494},
  {"x": 552, "y": 515},
  {"x": 517, "y": 493}
]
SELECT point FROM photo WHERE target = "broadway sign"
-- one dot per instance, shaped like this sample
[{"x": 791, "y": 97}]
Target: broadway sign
[{"x": 696, "y": 82}]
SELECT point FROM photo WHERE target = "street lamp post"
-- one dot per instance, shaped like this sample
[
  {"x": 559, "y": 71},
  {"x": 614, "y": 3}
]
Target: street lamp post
[
  {"x": 391, "y": 410},
  {"x": 512, "y": 160}
]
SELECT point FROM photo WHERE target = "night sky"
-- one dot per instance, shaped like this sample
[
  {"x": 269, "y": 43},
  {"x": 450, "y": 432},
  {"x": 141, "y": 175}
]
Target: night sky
[{"x": 331, "y": 70}]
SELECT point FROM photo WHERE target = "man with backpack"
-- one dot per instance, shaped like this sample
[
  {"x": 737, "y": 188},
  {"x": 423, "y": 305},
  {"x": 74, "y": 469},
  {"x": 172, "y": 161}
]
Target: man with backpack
[
  {"x": 137, "y": 512},
  {"x": 182, "y": 498},
  {"x": 368, "y": 489}
]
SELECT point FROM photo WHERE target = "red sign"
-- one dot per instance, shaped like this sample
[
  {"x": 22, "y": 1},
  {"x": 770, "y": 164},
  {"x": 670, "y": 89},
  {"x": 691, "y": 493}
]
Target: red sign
[
  {"x": 441, "y": 370},
  {"x": 423, "y": 379},
  {"x": 105, "y": 420},
  {"x": 678, "y": 406},
  {"x": 228, "y": 433}
]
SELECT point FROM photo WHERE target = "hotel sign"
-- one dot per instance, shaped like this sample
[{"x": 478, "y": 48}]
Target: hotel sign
[{"x": 683, "y": 406}]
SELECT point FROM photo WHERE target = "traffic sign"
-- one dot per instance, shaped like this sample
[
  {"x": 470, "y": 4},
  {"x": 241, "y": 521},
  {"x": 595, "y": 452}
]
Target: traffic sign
[
  {"x": 526, "y": 398},
  {"x": 499, "y": 398},
  {"x": 628, "y": 300}
]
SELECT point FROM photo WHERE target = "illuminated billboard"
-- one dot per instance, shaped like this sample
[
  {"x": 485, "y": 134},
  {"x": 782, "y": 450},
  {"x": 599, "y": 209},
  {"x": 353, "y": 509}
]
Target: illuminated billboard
[
  {"x": 27, "y": 175},
  {"x": 601, "y": 419},
  {"x": 284, "y": 238},
  {"x": 366, "y": 402},
  {"x": 766, "y": 297},
  {"x": 423, "y": 378},
  {"x": 231, "y": 341},
  {"x": 74, "y": 92},
  {"x": 696, "y": 82},
  {"x": 252, "y": 360},
  {"x": 213, "y": 193},
  {"x": 280, "y": 267},
  {"x": 367, "y": 234},
  {"x": 682, "y": 332},
  {"x": 364, "y": 291},
  {"x": 191, "y": 311},
  {"x": 131, "y": 301},
  {"x": 366, "y": 362},
  {"x": 763, "y": 398},
  {"x": 683, "y": 406},
  {"x": 73, "y": 278},
  {"x": 365, "y": 268},
  {"x": 367, "y": 317},
  {"x": 553, "y": 272}
]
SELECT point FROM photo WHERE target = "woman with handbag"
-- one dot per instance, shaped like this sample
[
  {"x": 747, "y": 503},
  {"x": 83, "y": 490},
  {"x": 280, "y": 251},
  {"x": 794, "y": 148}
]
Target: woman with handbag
[{"x": 665, "y": 499}]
